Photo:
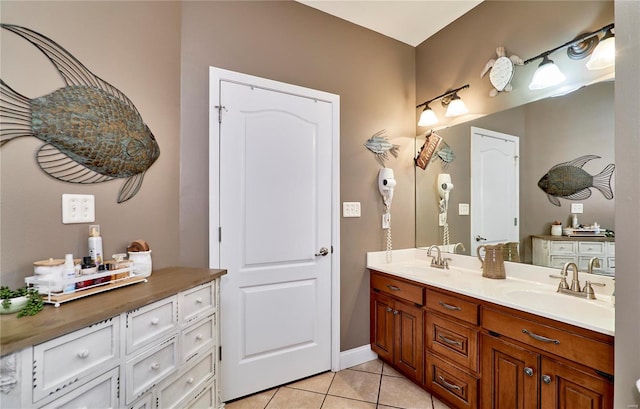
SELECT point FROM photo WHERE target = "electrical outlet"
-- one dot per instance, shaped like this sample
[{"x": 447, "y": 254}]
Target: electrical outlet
[
  {"x": 463, "y": 209},
  {"x": 78, "y": 209},
  {"x": 386, "y": 220},
  {"x": 350, "y": 209},
  {"x": 577, "y": 208}
]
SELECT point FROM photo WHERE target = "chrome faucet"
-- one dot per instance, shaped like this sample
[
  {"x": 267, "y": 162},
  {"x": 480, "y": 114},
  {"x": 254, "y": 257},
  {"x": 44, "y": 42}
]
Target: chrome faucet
[
  {"x": 437, "y": 262},
  {"x": 574, "y": 289},
  {"x": 458, "y": 245},
  {"x": 593, "y": 262}
]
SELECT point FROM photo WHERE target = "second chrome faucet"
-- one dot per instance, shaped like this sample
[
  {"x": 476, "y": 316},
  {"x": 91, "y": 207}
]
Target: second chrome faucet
[{"x": 575, "y": 289}]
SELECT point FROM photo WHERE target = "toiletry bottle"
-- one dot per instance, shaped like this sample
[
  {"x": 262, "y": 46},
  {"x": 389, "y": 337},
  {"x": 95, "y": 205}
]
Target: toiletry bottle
[
  {"x": 87, "y": 268},
  {"x": 574, "y": 221},
  {"x": 95, "y": 244},
  {"x": 69, "y": 273}
]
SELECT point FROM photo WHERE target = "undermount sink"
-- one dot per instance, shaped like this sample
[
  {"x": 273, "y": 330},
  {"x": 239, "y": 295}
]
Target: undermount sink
[{"x": 560, "y": 304}]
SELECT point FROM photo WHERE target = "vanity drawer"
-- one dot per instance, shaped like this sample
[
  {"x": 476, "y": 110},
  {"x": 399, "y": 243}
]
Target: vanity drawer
[
  {"x": 398, "y": 288},
  {"x": 150, "y": 323},
  {"x": 64, "y": 361},
  {"x": 456, "y": 342},
  {"x": 196, "y": 303},
  {"x": 563, "y": 247},
  {"x": 588, "y": 351},
  {"x": 450, "y": 383},
  {"x": 611, "y": 248},
  {"x": 453, "y": 306},
  {"x": 101, "y": 391},
  {"x": 197, "y": 338},
  {"x": 171, "y": 393},
  {"x": 583, "y": 264},
  {"x": 147, "y": 369},
  {"x": 591, "y": 248},
  {"x": 560, "y": 261}
]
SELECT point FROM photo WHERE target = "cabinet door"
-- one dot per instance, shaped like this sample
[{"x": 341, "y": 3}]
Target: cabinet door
[
  {"x": 509, "y": 375},
  {"x": 408, "y": 349},
  {"x": 381, "y": 332},
  {"x": 566, "y": 387}
]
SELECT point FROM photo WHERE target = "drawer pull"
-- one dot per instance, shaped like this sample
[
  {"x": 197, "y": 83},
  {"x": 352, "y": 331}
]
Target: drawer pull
[
  {"x": 393, "y": 287},
  {"x": 449, "y": 385},
  {"x": 155, "y": 321},
  {"x": 540, "y": 337},
  {"x": 449, "y": 341},
  {"x": 449, "y": 306},
  {"x": 389, "y": 309},
  {"x": 83, "y": 354},
  {"x": 546, "y": 379},
  {"x": 199, "y": 300},
  {"x": 199, "y": 337},
  {"x": 528, "y": 371},
  {"x": 155, "y": 366},
  {"x": 190, "y": 380}
]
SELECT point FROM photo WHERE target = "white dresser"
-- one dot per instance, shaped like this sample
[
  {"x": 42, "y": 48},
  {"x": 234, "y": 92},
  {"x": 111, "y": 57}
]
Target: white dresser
[
  {"x": 555, "y": 251},
  {"x": 163, "y": 354}
]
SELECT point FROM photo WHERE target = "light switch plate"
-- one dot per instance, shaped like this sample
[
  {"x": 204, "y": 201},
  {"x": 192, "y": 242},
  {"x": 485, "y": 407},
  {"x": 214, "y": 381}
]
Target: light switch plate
[
  {"x": 78, "y": 209},
  {"x": 577, "y": 208},
  {"x": 463, "y": 209},
  {"x": 350, "y": 209}
]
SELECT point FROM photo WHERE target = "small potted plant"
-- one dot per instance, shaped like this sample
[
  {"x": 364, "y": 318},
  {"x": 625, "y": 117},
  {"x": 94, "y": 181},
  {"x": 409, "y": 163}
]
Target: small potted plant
[{"x": 25, "y": 301}]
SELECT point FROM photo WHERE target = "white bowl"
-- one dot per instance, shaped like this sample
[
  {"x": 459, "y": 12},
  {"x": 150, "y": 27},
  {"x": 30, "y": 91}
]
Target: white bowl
[{"x": 16, "y": 305}]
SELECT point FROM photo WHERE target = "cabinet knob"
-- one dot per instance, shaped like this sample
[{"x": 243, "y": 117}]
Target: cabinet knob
[
  {"x": 190, "y": 380},
  {"x": 389, "y": 309},
  {"x": 155, "y": 366},
  {"x": 155, "y": 321},
  {"x": 546, "y": 379},
  {"x": 83, "y": 353},
  {"x": 198, "y": 337},
  {"x": 528, "y": 371},
  {"x": 199, "y": 300},
  {"x": 396, "y": 312}
]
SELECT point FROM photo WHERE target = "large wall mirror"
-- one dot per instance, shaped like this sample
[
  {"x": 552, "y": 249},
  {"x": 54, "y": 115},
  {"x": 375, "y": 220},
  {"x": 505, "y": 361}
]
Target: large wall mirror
[{"x": 550, "y": 131}]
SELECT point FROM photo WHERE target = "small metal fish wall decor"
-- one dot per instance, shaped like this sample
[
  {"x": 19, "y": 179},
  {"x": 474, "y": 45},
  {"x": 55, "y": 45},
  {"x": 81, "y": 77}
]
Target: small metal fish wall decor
[
  {"x": 445, "y": 154},
  {"x": 92, "y": 132},
  {"x": 380, "y": 146},
  {"x": 569, "y": 181}
]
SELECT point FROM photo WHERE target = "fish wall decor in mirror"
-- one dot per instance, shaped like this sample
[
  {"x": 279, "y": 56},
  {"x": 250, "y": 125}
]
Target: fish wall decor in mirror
[
  {"x": 569, "y": 181},
  {"x": 92, "y": 132}
]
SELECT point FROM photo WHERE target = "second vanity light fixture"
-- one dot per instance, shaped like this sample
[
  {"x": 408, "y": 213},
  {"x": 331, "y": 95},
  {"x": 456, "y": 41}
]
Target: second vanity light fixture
[
  {"x": 450, "y": 99},
  {"x": 602, "y": 56}
]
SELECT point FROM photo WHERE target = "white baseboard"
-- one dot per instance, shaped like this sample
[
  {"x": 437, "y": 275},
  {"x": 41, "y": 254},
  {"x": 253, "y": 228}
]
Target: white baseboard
[{"x": 356, "y": 356}]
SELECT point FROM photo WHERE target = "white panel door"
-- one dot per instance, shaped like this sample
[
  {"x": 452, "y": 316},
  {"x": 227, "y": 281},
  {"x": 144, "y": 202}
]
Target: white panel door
[
  {"x": 494, "y": 188},
  {"x": 275, "y": 219}
]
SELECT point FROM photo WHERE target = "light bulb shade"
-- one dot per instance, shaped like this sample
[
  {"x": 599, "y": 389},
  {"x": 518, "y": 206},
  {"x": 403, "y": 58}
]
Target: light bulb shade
[
  {"x": 547, "y": 75},
  {"x": 456, "y": 107},
  {"x": 428, "y": 117},
  {"x": 605, "y": 53}
]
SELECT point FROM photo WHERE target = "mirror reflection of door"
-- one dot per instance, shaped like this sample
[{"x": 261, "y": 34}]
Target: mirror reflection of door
[{"x": 494, "y": 188}]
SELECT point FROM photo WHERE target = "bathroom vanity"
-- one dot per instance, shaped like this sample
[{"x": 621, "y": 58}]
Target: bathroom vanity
[
  {"x": 476, "y": 342},
  {"x": 149, "y": 345}
]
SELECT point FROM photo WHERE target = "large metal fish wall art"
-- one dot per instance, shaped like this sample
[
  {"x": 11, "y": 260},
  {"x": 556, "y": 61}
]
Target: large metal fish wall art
[
  {"x": 92, "y": 132},
  {"x": 380, "y": 146},
  {"x": 569, "y": 181}
]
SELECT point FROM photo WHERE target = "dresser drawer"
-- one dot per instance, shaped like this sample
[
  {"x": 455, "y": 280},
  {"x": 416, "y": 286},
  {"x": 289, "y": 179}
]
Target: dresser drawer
[
  {"x": 456, "y": 342},
  {"x": 206, "y": 398},
  {"x": 150, "y": 323},
  {"x": 588, "y": 351},
  {"x": 65, "y": 360},
  {"x": 583, "y": 264},
  {"x": 149, "y": 368},
  {"x": 560, "y": 261},
  {"x": 451, "y": 384},
  {"x": 591, "y": 248},
  {"x": 563, "y": 247},
  {"x": 196, "y": 303},
  {"x": 101, "y": 391},
  {"x": 398, "y": 288},
  {"x": 453, "y": 306},
  {"x": 176, "y": 390},
  {"x": 198, "y": 337}
]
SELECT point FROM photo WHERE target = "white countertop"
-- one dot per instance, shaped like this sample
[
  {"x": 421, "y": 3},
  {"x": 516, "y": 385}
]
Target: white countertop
[{"x": 527, "y": 288}]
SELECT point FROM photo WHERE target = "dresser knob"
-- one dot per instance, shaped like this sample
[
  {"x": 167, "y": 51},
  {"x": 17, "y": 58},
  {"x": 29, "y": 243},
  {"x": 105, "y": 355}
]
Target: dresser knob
[
  {"x": 190, "y": 380},
  {"x": 199, "y": 337},
  {"x": 199, "y": 300},
  {"x": 155, "y": 321},
  {"x": 155, "y": 366},
  {"x": 83, "y": 354}
]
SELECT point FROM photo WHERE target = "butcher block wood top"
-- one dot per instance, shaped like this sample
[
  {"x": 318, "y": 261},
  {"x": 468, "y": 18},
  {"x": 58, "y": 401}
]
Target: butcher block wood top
[{"x": 51, "y": 322}]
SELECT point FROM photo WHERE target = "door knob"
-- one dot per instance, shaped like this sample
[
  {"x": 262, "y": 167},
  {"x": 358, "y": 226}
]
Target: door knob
[
  {"x": 479, "y": 238},
  {"x": 323, "y": 252}
]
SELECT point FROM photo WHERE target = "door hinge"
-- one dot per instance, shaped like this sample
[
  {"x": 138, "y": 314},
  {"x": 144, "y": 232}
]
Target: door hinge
[
  {"x": 219, "y": 234},
  {"x": 220, "y": 353},
  {"x": 515, "y": 221},
  {"x": 220, "y": 108}
]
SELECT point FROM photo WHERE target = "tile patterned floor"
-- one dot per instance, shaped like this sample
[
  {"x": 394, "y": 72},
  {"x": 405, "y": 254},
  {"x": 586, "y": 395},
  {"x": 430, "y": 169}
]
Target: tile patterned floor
[{"x": 372, "y": 385}]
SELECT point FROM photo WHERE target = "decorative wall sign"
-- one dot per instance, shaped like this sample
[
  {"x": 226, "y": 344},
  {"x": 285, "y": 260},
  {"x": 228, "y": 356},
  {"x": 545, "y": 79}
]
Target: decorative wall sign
[
  {"x": 501, "y": 71},
  {"x": 427, "y": 150},
  {"x": 92, "y": 132},
  {"x": 569, "y": 181},
  {"x": 379, "y": 145}
]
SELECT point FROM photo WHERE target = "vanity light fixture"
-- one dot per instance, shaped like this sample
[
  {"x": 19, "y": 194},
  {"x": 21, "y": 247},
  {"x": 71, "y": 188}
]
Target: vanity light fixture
[
  {"x": 603, "y": 53},
  {"x": 450, "y": 99}
]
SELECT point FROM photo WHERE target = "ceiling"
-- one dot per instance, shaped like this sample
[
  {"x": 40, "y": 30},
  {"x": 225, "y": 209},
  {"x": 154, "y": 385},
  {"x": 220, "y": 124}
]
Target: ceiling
[{"x": 409, "y": 21}]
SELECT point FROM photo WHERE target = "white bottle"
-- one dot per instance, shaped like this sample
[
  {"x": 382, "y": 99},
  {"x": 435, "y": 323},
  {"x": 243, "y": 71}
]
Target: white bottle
[
  {"x": 69, "y": 273},
  {"x": 574, "y": 221},
  {"x": 95, "y": 244}
]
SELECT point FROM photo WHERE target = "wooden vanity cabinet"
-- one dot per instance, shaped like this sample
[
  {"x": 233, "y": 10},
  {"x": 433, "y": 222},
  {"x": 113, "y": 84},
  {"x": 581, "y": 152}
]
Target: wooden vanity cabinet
[{"x": 396, "y": 325}]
